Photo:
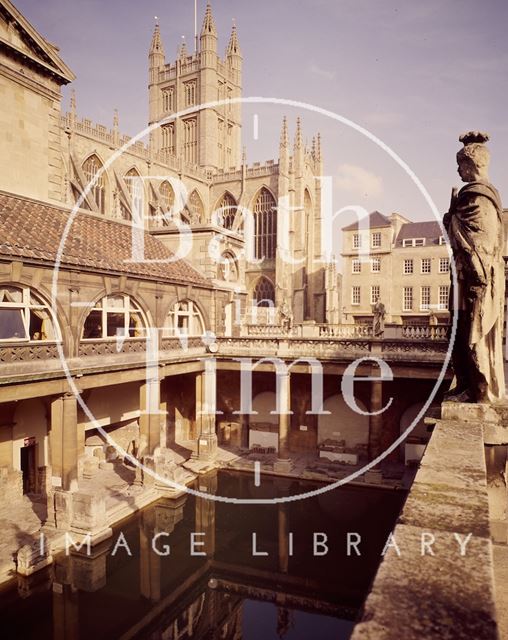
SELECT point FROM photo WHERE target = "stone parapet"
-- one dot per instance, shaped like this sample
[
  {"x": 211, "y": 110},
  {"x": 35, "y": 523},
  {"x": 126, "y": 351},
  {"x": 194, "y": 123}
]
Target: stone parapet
[{"x": 445, "y": 595}]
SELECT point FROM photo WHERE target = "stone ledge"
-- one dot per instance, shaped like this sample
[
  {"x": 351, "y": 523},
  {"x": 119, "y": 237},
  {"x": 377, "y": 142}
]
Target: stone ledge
[
  {"x": 432, "y": 597},
  {"x": 446, "y": 595}
]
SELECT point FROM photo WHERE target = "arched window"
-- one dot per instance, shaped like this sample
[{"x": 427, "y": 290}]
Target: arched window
[
  {"x": 167, "y": 195},
  {"x": 25, "y": 316},
  {"x": 91, "y": 168},
  {"x": 226, "y": 211},
  {"x": 264, "y": 293},
  {"x": 185, "y": 319},
  {"x": 116, "y": 315},
  {"x": 229, "y": 267},
  {"x": 195, "y": 207},
  {"x": 135, "y": 188},
  {"x": 265, "y": 225}
]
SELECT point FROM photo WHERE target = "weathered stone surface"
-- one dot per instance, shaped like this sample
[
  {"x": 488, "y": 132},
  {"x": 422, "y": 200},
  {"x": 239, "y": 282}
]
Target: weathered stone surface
[
  {"x": 446, "y": 508},
  {"x": 472, "y": 412},
  {"x": 431, "y": 597}
]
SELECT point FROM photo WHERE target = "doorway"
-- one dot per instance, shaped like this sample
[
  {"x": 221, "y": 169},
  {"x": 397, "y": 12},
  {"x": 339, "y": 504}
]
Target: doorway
[{"x": 28, "y": 468}]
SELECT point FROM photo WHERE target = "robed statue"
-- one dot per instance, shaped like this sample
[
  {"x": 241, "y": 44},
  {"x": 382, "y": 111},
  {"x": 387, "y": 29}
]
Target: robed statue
[
  {"x": 378, "y": 319},
  {"x": 475, "y": 228}
]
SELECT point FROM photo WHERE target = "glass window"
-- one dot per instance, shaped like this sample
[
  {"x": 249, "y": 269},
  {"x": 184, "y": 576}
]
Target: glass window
[
  {"x": 443, "y": 295},
  {"x": 444, "y": 265},
  {"x": 355, "y": 295},
  {"x": 407, "y": 299},
  {"x": 425, "y": 298},
  {"x": 265, "y": 225},
  {"x": 24, "y": 316},
  {"x": 375, "y": 293},
  {"x": 114, "y": 316},
  {"x": 408, "y": 265},
  {"x": 357, "y": 241},
  {"x": 264, "y": 293},
  {"x": 376, "y": 240},
  {"x": 184, "y": 319},
  {"x": 375, "y": 265},
  {"x": 356, "y": 266},
  {"x": 425, "y": 265},
  {"x": 91, "y": 169},
  {"x": 226, "y": 211}
]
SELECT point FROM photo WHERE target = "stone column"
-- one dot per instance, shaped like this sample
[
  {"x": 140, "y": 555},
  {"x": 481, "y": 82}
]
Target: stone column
[
  {"x": 244, "y": 430},
  {"x": 64, "y": 441},
  {"x": 283, "y": 389},
  {"x": 283, "y": 537},
  {"x": 205, "y": 414},
  {"x": 150, "y": 417},
  {"x": 65, "y": 612},
  {"x": 375, "y": 421}
]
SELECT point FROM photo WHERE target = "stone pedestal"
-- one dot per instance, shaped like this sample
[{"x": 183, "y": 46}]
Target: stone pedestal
[
  {"x": 168, "y": 470},
  {"x": 33, "y": 557},
  {"x": 207, "y": 446},
  {"x": 89, "y": 517}
]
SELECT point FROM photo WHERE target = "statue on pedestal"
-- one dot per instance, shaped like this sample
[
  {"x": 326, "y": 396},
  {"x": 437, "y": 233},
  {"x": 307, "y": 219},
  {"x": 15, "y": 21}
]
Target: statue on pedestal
[
  {"x": 475, "y": 228},
  {"x": 378, "y": 319}
]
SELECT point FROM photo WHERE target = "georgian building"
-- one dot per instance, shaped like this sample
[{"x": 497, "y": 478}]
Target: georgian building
[{"x": 403, "y": 264}]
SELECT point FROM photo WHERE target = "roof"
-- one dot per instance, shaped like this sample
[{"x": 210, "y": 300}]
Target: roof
[
  {"x": 33, "y": 230},
  {"x": 31, "y": 46},
  {"x": 376, "y": 220},
  {"x": 430, "y": 230}
]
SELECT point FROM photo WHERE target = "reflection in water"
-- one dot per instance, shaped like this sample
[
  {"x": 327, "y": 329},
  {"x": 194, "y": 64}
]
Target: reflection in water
[{"x": 186, "y": 568}]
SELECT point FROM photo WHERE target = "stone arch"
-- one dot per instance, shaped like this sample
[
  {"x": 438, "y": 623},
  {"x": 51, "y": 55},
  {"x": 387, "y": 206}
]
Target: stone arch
[{"x": 342, "y": 423}]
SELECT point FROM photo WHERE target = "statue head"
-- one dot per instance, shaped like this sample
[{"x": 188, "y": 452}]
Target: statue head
[{"x": 473, "y": 159}]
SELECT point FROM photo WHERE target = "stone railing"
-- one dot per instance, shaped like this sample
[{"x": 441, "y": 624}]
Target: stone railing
[
  {"x": 444, "y": 594},
  {"x": 28, "y": 352},
  {"x": 344, "y": 331},
  {"x": 428, "y": 332}
]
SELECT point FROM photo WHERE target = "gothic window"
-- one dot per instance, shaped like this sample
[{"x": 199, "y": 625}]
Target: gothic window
[
  {"x": 190, "y": 140},
  {"x": 168, "y": 138},
  {"x": 265, "y": 225},
  {"x": 116, "y": 315},
  {"x": 24, "y": 316},
  {"x": 167, "y": 195},
  {"x": 185, "y": 319},
  {"x": 196, "y": 209},
  {"x": 307, "y": 218},
  {"x": 135, "y": 189},
  {"x": 190, "y": 93},
  {"x": 168, "y": 99},
  {"x": 229, "y": 267},
  {"x": 226, "y": 211},
  {"x": 91, "y": 168},
  {"x": 264, "y": 293}
]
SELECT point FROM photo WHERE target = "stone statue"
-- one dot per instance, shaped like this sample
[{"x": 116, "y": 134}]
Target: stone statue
[
  {"x": 378, "y": 320},
  {"x": 285, "y": 317},
  {"x": 474, "y": 225}
]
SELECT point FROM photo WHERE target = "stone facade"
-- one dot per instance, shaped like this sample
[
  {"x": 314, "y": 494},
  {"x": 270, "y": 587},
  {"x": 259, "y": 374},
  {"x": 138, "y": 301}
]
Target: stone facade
[{"x": 403, "y": 264}]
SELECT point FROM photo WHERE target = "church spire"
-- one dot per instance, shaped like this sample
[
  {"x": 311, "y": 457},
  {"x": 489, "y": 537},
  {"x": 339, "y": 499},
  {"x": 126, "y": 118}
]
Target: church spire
[
  {"x": 298, "y": 135},
  {"x": 208, "y": 27},
  {"x": 156, "y": 45},
  {"x": 284, "y": 136},
  {"x": 234, "y": 44}
]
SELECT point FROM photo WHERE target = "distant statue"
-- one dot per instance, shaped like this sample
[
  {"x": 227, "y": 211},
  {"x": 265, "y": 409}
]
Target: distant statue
[
  {"x": 475, "y": 228},
  {"x": 285, "y": 317},
  {"x": 378, "y": 321}
]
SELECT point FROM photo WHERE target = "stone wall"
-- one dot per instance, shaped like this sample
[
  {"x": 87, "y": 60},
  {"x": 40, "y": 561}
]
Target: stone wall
[{"x": 445, "y": 595}]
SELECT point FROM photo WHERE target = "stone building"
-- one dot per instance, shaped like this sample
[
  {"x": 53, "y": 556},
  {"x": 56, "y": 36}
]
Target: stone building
[{"x": 403, "y": 264}]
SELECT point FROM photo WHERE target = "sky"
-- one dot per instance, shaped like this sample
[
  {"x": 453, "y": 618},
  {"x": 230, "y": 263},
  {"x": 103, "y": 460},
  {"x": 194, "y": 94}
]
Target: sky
[{"x": 415, "y": 74}]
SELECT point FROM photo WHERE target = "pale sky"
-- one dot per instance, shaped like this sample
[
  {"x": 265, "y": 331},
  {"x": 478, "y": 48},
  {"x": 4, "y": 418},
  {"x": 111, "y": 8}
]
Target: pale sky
[{"x": 415, "y": 73}]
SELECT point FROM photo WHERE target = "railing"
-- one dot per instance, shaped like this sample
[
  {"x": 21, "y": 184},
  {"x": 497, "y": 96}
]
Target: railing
[
  {"x": 428, "y": 332},
  {"x": 28, "y": 352}
]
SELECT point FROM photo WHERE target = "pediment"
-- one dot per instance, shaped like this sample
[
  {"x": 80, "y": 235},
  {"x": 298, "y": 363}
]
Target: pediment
[{"x": 22, "y": 39}]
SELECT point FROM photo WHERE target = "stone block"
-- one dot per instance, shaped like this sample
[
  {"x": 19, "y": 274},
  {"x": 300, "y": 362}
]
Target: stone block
[{"x": 33, "y": 557}]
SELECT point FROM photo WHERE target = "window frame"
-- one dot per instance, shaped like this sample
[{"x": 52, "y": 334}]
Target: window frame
[{"x": 26, "y": 306}]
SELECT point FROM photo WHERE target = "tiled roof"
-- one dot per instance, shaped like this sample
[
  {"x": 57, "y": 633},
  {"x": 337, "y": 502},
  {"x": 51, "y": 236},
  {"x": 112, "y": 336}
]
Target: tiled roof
[
  {"x": 430, "y": 230},
  {"x": 33, "y": 230},
  {"x": 376, "y": 220}
]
